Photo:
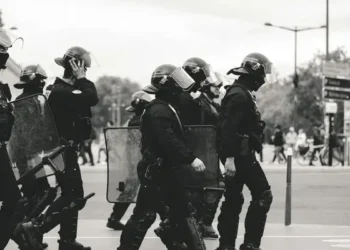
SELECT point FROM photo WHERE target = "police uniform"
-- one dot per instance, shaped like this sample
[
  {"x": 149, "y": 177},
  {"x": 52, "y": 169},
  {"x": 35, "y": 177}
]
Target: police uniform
[
  {"x": 9, "y": 191},
  {"x": 240, "y": 138},
  {"x": 163, "y": 150}
]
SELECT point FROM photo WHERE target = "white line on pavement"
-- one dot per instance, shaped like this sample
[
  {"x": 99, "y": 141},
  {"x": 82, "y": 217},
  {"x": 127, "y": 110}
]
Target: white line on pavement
[
  {"x": 338, "y": 241},
  {"x": 341, "y": 246},
  {"x": 268, "y": 236}
]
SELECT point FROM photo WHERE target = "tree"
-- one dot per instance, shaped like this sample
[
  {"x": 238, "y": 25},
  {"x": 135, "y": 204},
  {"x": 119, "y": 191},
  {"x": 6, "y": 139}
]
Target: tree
[
  {"x": 279, "y": 104},
  {"x": 1, "y": 21},
  {"x": 104, "y": 86}
]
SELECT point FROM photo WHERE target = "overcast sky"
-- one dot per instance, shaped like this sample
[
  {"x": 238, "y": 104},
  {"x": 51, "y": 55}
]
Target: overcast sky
[{"x": 130, "y": 38}]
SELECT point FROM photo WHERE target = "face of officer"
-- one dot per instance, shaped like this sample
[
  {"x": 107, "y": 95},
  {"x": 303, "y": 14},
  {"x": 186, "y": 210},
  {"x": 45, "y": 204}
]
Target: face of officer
[
  {"x": 215, "y": 91},
  {"x": 3, "y": 57}
]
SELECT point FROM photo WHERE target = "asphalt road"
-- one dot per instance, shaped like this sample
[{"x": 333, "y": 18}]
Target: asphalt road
[{"x": 320, "y": 212}]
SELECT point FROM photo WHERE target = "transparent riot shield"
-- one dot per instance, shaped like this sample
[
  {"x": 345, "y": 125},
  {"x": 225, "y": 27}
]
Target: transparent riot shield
[
  {"x": 33, "y": 136},
  {"x": 123, "y": 155}
]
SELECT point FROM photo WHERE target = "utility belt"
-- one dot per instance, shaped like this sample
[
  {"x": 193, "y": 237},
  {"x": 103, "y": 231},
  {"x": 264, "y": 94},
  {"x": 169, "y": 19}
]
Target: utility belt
[
  {"x": 83, "y": 128},
  {"x": 249, "y": 143}
]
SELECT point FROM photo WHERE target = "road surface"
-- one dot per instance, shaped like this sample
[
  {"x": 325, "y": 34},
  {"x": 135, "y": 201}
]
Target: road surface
[{"x": 320, "y": 215}]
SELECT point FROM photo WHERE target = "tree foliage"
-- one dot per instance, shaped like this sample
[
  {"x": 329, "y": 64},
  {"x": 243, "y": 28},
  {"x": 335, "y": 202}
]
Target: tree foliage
[
  {"x": 1, "y": 20},
  {"x": 107, "y": 96},
  {"x": 301, "y": 107}
]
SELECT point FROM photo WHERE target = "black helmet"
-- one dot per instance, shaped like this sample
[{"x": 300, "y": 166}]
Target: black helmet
[
  {"x": 199, "y": 70},
  {"x": 139, "y": 99},
  {"x": 76, "y": 52},
  {"x": 254, "y": 64},
  {"x": 168, "y": 76},
  {"x": 32, "y": 74}
]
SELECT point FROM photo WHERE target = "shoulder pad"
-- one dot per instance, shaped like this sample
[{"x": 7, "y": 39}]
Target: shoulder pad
[{"x": 159, "y": 109}]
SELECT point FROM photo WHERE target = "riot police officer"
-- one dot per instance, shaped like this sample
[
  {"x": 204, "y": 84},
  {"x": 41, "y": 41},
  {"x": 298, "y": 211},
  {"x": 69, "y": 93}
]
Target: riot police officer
[
  {"x": 139, "y": 100},
  {"x": 189, "y": 109},
  {"x": 241, "y": 132},
  {"x": 210, "y": 115},
  {"x": 70, "y": 101},
  {"x": 163, "y": 150},
  {"x": 9, "y": 191}
]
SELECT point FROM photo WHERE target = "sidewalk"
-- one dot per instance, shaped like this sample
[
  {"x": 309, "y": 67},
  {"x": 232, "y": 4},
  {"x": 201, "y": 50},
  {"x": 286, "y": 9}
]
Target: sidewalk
[{"x": 266, "y": 166}]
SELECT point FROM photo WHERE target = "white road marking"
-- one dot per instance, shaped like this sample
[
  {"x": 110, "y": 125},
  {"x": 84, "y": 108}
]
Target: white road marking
[
  {"x": 338, "y": 241},
  {"x": 341, "y": 246},
  {"x": 268, "y": 236}
]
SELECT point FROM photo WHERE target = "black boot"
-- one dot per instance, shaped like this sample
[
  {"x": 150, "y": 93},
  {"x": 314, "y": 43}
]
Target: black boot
[
  {"x": 119, "y": 210},
  {"x": 71, "y": 244},
  {"x": 68, "y": 232},
  {"x": 249, "y": 246},
  {"x": 225, "y": 248}
]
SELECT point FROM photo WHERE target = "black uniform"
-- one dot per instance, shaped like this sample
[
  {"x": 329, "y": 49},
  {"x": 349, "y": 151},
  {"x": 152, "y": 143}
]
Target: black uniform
[
  {"x": 163, "y": 150},
  {"x": 9, "y": 191},
  {"x": 209, "y": 115},
  {"x": 189, "y": 109},
  {"x": 119, "y": 208},
  {"x": 71, "y": 109},
  {"x": 70, "y": 112},
  {"x": 240, "y": 118}
]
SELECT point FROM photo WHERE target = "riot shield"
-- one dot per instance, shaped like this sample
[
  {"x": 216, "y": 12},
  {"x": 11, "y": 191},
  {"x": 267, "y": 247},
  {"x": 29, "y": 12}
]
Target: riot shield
[
  {"x": 33, "y": 136},
  {"x": 123, "y": 155}
]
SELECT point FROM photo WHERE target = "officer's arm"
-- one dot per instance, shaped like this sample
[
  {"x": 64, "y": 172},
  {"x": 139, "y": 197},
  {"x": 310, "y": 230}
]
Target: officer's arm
[
  {"x": 88, "y": 89},
  {"x": 171, "y": 147},
  {"x": 232, "y": 120}
]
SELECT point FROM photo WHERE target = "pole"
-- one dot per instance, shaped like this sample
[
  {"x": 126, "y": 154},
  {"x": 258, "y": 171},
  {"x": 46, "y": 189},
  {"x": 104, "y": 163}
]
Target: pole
[
  {"x": 295, "y": 115},
  {"x": 327, "y": 30},
  {"x": 330, "y": 144},
  {"x": 288, "y": 208},
  {"x": 118, "y": 109}
]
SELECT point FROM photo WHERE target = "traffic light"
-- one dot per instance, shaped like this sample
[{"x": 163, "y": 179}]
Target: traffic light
[{"x": 296, "y": 80}]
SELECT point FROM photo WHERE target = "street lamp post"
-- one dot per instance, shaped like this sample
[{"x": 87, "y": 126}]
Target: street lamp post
[{"x": 296, "y": 77}]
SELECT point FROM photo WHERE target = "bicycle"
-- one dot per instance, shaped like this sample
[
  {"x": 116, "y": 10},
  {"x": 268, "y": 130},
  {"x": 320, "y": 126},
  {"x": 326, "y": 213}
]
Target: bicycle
[{"x": 305, "y": 153}]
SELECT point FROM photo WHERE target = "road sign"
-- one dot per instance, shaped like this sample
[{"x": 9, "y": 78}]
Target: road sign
[
  {"x": 336, "y": 83},
  {"x": 336, "y": 69},
  {"x": 331, "y": 107},
  {"x": 331, "y": 94}
]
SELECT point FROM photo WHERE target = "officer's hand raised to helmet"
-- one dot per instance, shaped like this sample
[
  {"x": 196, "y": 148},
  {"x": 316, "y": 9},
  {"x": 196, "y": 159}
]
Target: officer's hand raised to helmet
[
  {"x": 198, "y": 165},
  {"x": 78, "y": 69},
  {"x": 230, "y": 168}
]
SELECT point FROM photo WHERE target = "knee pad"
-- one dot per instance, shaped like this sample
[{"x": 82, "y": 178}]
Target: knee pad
[
  {"x": 265, "y": 200},
  {"x": 147, "y": 219}
]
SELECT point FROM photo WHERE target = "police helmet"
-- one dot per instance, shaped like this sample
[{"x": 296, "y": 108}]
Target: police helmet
[
  {"x": 199, "y": 70},
  {"x": 168, "y": 76},
  {"x": 31, "y": 74},
  {"x": 77, "y": 53},
  {"x": 254, "y": 64},
  {"x": 139, "y": 99}
]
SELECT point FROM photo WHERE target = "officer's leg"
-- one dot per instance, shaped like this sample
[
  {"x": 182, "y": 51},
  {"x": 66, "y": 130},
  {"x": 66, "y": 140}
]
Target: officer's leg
[
  {"x": 72, "y": 189},
  {"x": 180, "y": 213},
  {"x": 211, "y": 206},
  {"x": 119, "y": 210},
  {"x": 262, "y": 198},
  {"x": 144, "y": 215},
  {"x": 10, "y": 214},
  {"x": 231, "y": 208}
]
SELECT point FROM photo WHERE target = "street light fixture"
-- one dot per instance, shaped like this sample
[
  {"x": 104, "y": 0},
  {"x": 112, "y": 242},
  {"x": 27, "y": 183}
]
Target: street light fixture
[
  {"x": 296, "y": 77},
  {"x": 295, "y": 30}
]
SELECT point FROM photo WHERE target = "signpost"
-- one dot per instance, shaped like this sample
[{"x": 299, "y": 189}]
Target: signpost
[{"x": 336, "y": 87}]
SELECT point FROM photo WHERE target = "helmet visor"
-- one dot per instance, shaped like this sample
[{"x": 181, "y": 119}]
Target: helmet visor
[
  {"x": 210, "y": 74},
  {"x": 270, "y": 73},
  {"x": 182, "y": 79}
]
